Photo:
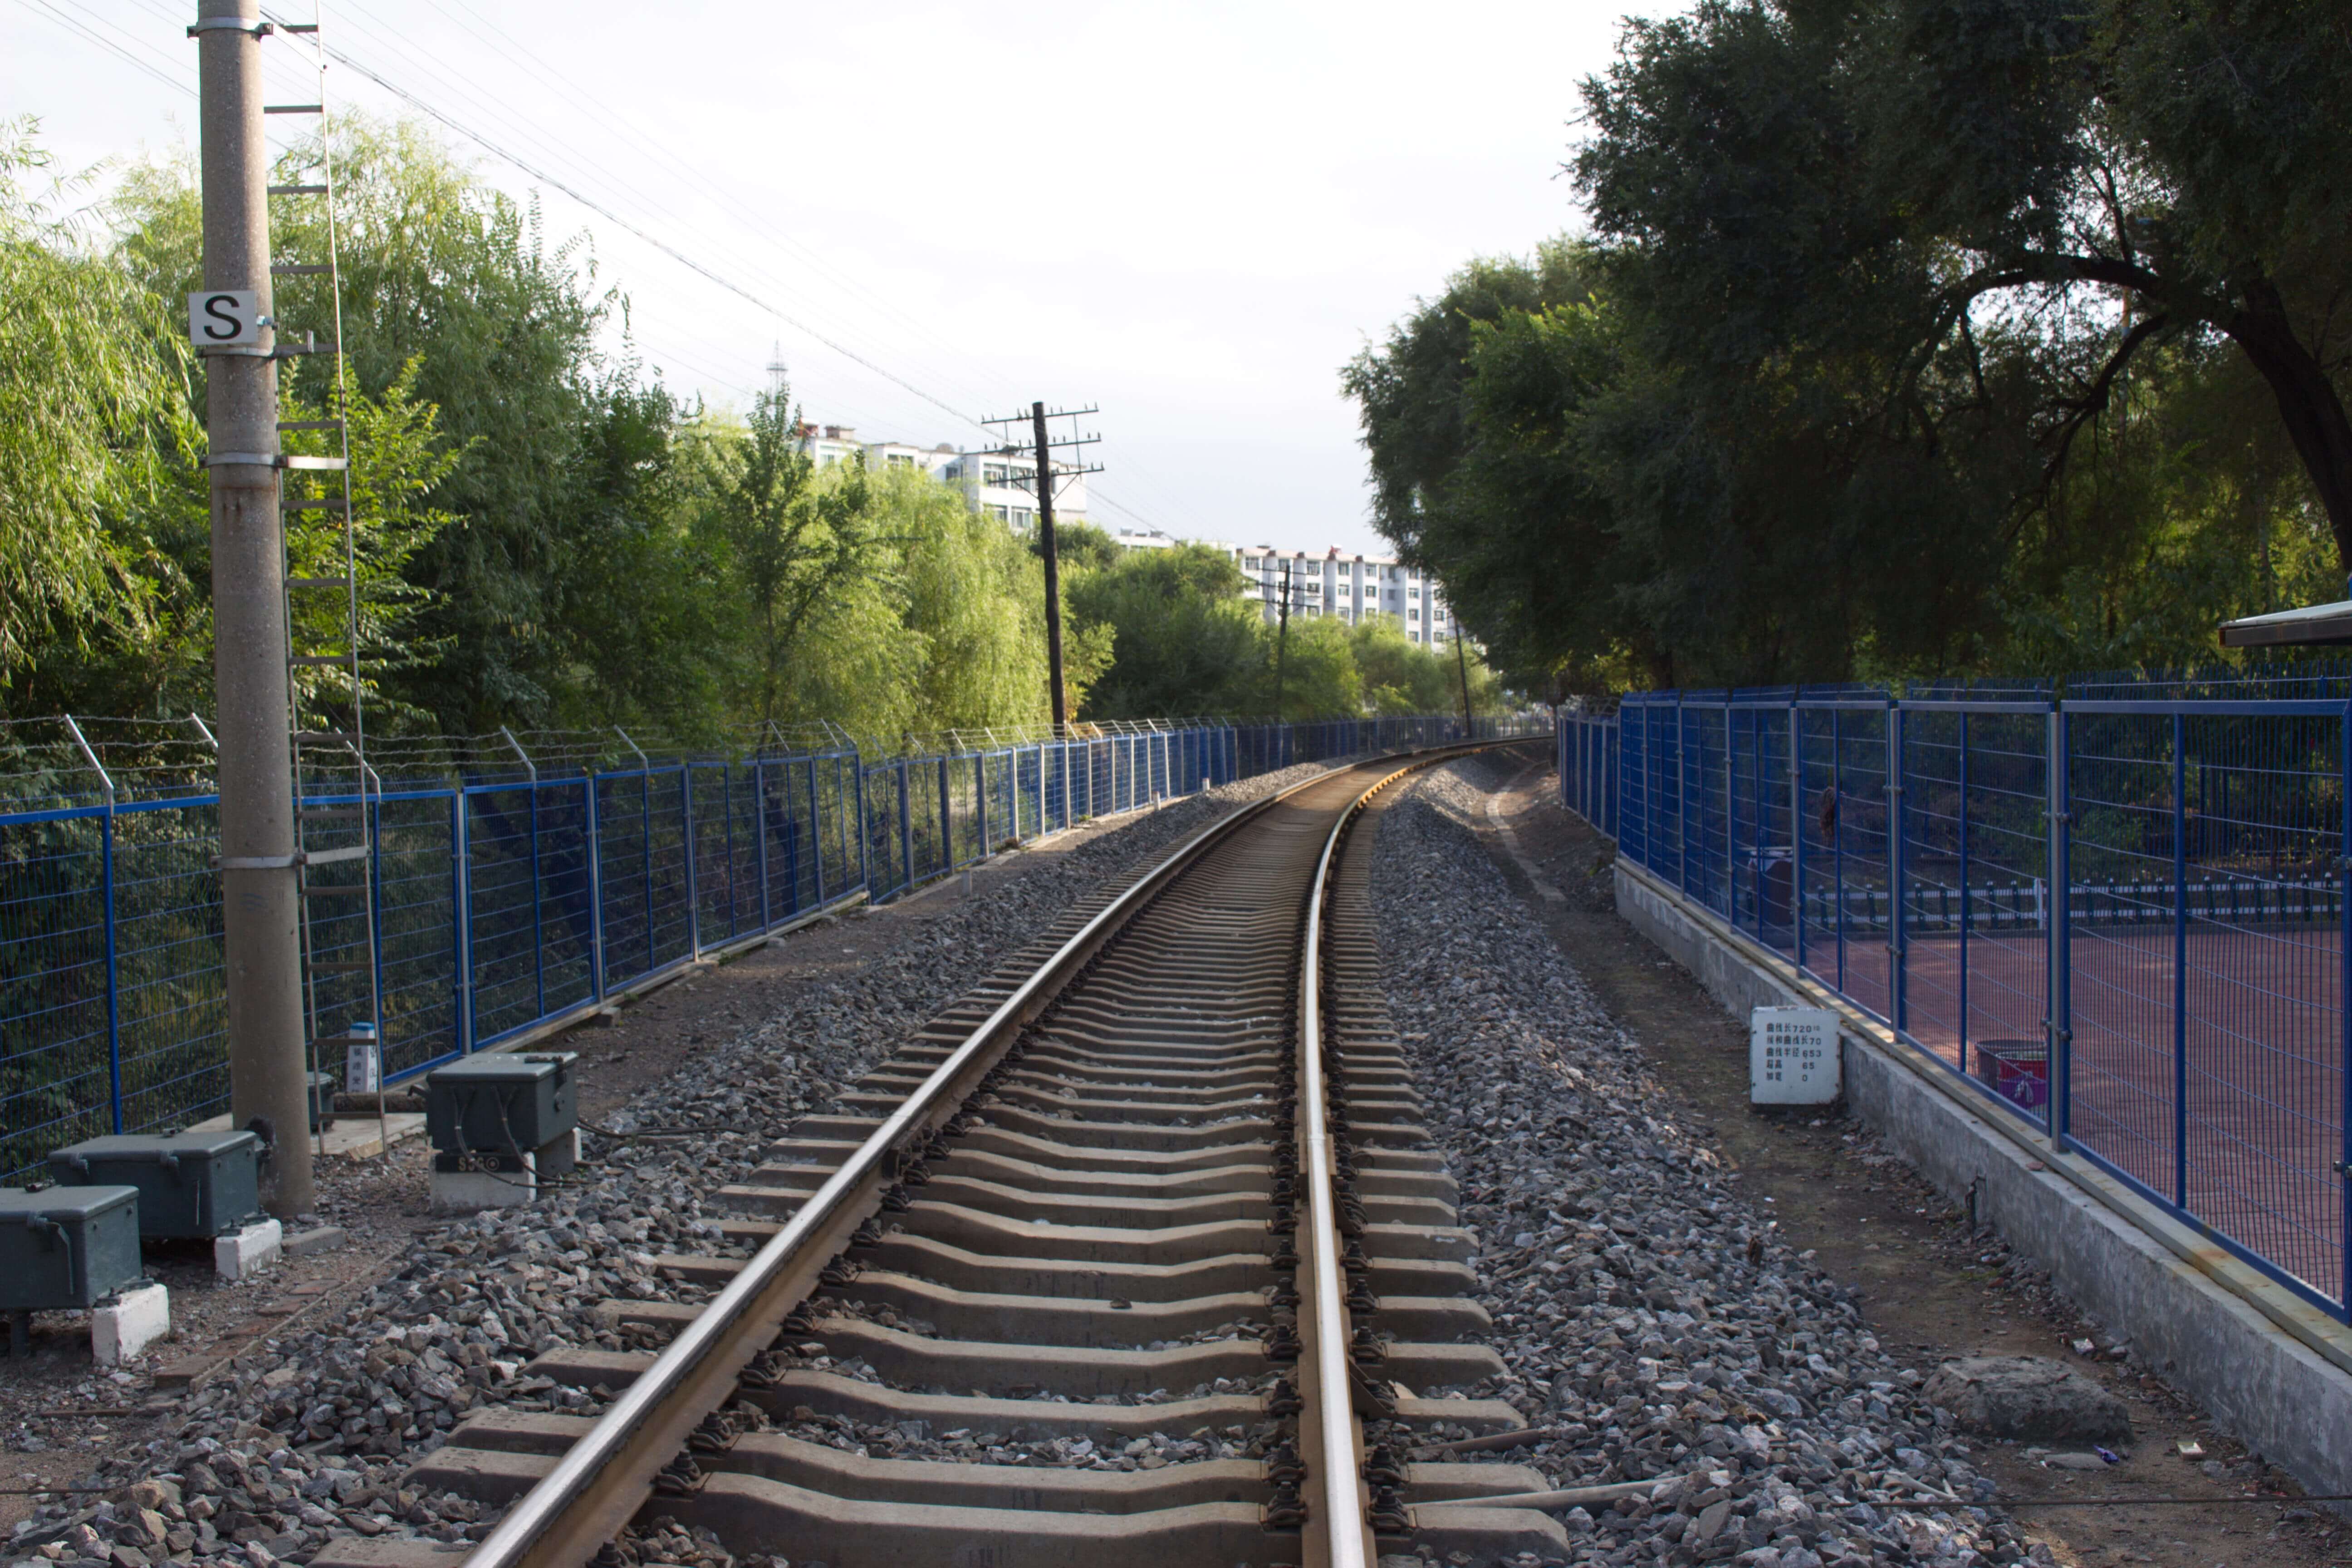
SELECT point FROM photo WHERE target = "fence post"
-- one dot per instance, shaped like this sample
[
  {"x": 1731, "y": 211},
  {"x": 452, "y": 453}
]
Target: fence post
[
  {"x": 693, "y": 871},
  {"x": 1797, "y": 832},
  {"x": 2180, "y": 960},
  {"x": 905, "y": 833},
  {"x": 760, "y": 835},
  {"x": 816, "y": 826},
  {"x": 1898, "y": 966},
  {"x": 865, "y": 860},
  {"x": 461, "y": 909},
  {"x": 1965, "y": 920},
  {"x": 946, "y": 821},
  {"x": 106, "y": 893},
  {"x": 595, "y": 846},
  {"x": 2344, "y": 995},
  {"x": 2058, "y": 935},
  {"x": 1837, "y": 832},
  {"x": 1681, "y": 796}
]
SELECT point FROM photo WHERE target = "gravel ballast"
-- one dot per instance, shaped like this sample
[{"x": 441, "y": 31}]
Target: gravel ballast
[
  {"x": 1649, "y": 1316},
  {"x": 310, "y": 1441}
]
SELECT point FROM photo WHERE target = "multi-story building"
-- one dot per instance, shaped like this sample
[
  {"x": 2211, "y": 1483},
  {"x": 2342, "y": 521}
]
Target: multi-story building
[
  {"x": 1349, "y": 587},
  {"x": 1330, "y": 582},
  {"x": 1002, "y": 485}
]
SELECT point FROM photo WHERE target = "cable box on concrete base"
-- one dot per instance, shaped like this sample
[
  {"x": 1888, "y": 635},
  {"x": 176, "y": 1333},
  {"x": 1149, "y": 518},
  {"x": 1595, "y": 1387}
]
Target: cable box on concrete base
[
  {"x": 67, "y": 1248},
  {"x": 468, "y": 1184},
  {"x": 191, "y": 1184}
]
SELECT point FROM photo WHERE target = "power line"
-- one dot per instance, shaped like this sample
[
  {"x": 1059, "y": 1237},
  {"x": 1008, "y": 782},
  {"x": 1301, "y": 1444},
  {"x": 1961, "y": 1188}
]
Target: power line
[
  {"x": 120, "y": 52},
  {"x": 538, "y": 169},
  {"x": 537, "y": 172}
]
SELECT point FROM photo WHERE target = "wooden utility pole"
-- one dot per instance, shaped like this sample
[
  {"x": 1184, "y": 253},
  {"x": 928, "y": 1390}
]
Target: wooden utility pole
[
  {"x": 1044, "y": 447},
  {"x": 268, "y": 1073},
  {"x": 1281, "y": 637},
  {"x": 1462, "y": 663},
  {"x": 1053, "y": 569}
]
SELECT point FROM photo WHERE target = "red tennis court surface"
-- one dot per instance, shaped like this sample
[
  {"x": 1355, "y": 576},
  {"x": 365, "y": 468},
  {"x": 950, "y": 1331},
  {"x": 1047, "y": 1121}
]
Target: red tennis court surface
[{"x": 2242, "y": 1028}]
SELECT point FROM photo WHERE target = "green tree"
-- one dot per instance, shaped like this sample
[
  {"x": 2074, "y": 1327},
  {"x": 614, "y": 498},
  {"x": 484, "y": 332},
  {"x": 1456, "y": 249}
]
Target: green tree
[
  {"x": 1183, "y": 639},
  {"x": 94, "y": 425},
  {"x": 793, "y": 543},
  {"x": 566, "y": 448},
  {"x": 1865, "y": 194}
]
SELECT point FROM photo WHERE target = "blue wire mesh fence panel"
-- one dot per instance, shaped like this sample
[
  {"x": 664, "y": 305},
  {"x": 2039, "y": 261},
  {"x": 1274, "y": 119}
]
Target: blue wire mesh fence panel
[
  {"x": 1636, "y": 795},
  {"x": 2201, "y": 925},
  {"x": 1758, "y": 792},
  {"x": 719, "y": 841},
  {"x": 566, "y": 916},
  {"x": 416, "y": 921},
  {"x": 625, "y": 878},
  {"x": 1668, "y": 825},
  {"x": 2205, "y": 960},
  {"x": 339, "y": 921},
  {"x": 54, "y": 981},
  {"x": 670, "y": 922},
  {"x": 1054, "y": 796},
  {"x": 1854, "y": 818},
  {"x": 1711, "y": 787},
  {"x": 1976, "y": 932},
  {"x": 55, "y": 1064},
  {"x": 504, "y": 901},
  {"x": 506, "y": 974},
  {"x": 171, "y": 1022},
  {"x": 2122, "y": 1101}
]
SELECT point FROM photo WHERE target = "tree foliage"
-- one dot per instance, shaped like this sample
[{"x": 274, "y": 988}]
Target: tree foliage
[
  {"x": 93, "y": 419},
  {"x": 1913, "y": 336}
]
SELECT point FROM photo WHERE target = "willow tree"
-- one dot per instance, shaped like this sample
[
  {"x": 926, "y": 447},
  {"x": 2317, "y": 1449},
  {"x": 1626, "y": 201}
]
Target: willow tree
[{"x": 94, "y": 421}]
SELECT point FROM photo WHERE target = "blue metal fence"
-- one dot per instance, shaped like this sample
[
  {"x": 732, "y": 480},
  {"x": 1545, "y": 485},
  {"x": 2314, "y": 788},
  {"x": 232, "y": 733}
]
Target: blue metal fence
[
  {"x": 2120, "y": 916},
  {"x": 508, "y": 898}
]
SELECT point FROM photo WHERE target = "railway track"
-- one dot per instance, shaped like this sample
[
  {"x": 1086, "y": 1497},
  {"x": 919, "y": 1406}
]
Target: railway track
[{"x": 1158, "y": 1194}]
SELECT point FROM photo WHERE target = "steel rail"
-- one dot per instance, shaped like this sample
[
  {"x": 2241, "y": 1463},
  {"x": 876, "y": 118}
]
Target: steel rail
[
  {"x": 600, "y": 1483},
  {"x": 1337, "y": 1533},
  {"x": 1331, "y": 1437}
]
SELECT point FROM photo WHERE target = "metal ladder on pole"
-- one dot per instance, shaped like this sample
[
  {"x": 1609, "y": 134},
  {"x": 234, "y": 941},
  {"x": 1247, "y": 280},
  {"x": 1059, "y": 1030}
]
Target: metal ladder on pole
[{"x": 338, "y": 797}]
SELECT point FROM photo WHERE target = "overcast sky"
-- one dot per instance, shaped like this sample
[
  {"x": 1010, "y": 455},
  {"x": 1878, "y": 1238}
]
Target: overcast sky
[{"x": 1190, "y": 214}]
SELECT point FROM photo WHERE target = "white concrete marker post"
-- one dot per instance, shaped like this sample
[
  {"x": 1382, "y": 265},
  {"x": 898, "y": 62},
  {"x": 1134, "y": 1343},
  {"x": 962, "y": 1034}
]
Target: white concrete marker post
[
  {"x": 135, "y": 1318},
  {"x": 1792, "y": 1056},
  {"x": 242, "y": 1254}
]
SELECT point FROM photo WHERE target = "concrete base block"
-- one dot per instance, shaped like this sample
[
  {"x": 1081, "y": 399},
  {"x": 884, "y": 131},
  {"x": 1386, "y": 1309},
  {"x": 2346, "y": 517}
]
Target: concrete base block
[
  {"x": 242, "y": 1254},
  {"x": 319, "y": 1239},
  {"x": 134, "y": 1320},
  {"x": 492, "y": 1182}
]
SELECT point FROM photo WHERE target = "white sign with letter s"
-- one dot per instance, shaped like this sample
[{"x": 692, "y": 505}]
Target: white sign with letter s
[{"x": 223, "y": 317}]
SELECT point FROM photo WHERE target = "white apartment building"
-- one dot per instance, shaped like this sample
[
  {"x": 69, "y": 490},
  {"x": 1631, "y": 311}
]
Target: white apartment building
[
  {"x": 1350, "y": 587},
  {"x": 1332, "y": 583},
  {"x": 1003, "y": 485}
]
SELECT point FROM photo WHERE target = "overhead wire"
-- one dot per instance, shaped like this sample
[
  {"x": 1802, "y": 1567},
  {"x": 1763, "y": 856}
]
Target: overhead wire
[
  {"x": 538, "y": 167},
  {"x": 42, "y": 7}
]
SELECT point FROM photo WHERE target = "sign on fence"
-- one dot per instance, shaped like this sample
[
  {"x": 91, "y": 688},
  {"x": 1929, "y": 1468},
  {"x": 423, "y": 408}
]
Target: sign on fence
[{"x": 1793, "y": 1056}]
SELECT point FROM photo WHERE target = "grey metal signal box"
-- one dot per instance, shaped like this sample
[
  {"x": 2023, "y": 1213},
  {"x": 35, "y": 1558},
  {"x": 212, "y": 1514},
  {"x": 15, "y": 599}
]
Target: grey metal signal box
[
  {"x": 66, "y": 1247},
  {"x": 502, "y": 1103},
  {"x": 197, "y": 1185}
]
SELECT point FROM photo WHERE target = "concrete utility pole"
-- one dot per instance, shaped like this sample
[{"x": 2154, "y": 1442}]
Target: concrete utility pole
[
  {"x": 1053, "y": 571},
  {"x": 258, "y": 899}
]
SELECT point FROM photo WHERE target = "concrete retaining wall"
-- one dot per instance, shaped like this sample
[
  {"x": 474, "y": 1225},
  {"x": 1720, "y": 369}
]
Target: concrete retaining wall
[{"x": 2271, "y": 1368}]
